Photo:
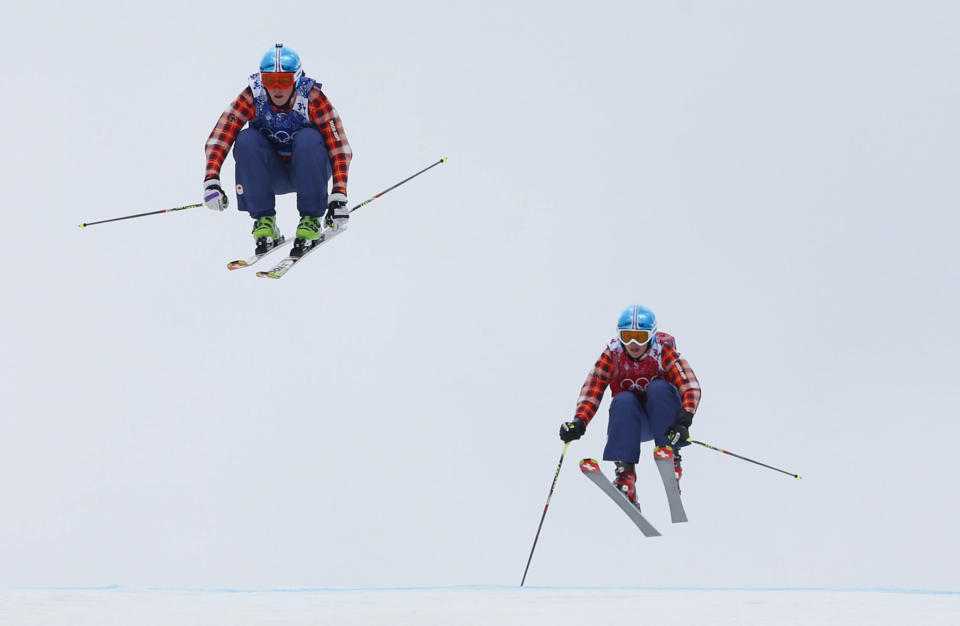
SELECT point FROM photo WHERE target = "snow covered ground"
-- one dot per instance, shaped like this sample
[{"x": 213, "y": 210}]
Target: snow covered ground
[{"x": 503, "y": 606}]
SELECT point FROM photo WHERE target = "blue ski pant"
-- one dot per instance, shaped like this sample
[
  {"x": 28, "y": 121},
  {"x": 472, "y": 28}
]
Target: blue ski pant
[
  {"x": 261, "y": 174},
  {"x": 639, "y": 417}
]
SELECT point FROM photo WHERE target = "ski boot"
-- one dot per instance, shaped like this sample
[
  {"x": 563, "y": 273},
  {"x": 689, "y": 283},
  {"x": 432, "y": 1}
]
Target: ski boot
[
  {"x": 308, "y": 232},
  {"x": 265, "y": 233},
  {"x": 626, "y": 480},
  {"x": 677, "y": 470}
]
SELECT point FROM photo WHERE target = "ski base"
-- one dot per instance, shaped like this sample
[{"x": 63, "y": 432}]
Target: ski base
[
  {"x": 241, "y": 263},
  {"x": 288, "y": 263},
  {"x": 591, "y": 469},
  {"x": 664, "y": 462}
]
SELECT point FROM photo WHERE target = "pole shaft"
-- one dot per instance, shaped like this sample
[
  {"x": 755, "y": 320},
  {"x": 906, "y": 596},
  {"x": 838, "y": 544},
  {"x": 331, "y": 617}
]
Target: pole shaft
[
  {"x": 707, "y": 445},
  {"x": 368, "y": 201},
  {"x": 130, "y": 217},
  {"x": 545, "y": 507}
]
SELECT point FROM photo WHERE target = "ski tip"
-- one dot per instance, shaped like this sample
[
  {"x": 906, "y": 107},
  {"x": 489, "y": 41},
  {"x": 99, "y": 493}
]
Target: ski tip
[
  {"x": 589, "y": 465},
  {"x": 235, "y": 265},
  {"x": 267, "y": 275}
]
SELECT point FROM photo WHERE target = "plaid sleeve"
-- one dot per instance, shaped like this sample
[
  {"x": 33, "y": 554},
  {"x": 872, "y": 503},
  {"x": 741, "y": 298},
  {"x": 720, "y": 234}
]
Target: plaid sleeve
[
  {"x": 681, "y": 375},
  {"x": 327, "y": 121},
  {"x": 597, "y": 382},
  {"x": 225, "y": 132}
]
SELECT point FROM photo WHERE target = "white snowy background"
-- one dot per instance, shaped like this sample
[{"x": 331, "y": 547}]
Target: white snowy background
[{"x": 776, "y": 180}]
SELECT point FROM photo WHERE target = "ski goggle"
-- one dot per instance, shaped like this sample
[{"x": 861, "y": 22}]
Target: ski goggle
[
  {"x": 639, "y": 336},
  {"x": 283, "y": 80}
]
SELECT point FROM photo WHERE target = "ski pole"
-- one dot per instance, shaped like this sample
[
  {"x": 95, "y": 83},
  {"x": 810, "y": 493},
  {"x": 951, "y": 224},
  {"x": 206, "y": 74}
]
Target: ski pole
[
  {"x": 129, "y": 217},
  {"x": 542, "y": 517},
  {"x": 707, "y": 445},
  {"x": 442, "y": 160},
  {"x": 193, "y": 206}
]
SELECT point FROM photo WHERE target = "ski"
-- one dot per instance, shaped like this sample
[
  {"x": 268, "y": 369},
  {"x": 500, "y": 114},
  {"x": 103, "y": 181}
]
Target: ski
[
  {"x": 288, "y": 263},
  {"x": 663, "y": 457},
  {"x": 591, "y": 470},
  {"x": 239, "y": 263}
]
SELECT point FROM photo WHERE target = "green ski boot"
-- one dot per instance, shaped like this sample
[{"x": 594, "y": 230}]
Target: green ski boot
[
  {"x": 309, "y": 228},
  {"x": 308, "y": 233},
  {"x": 266, "y": 233}
]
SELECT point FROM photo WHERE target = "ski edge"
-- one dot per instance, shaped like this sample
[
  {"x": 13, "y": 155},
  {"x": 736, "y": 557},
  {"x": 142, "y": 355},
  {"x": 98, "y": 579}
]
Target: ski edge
[
  {"x": 669, "y": 477},
  {"x": 591, "y": 469},
  {"x": 242, "y": 263},
  {"x": 289, "y": 262}
]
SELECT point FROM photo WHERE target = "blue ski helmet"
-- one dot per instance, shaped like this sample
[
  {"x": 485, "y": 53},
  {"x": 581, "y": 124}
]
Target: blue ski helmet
[
  {"x": 281, "y": 58},
  {"x": 637, "y": 317}
]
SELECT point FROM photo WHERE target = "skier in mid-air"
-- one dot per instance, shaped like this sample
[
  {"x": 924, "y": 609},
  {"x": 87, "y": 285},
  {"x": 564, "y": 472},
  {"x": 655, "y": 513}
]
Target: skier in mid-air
[
  {"x": 295, "y": 143},
  {"x": 655, "y": 395}
]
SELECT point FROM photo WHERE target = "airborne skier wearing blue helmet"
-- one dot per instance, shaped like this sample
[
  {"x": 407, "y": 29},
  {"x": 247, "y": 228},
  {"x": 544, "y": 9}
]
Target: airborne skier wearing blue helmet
[
  {"x": 655, "y": 395},
  {"x": 294, "y": 143}
]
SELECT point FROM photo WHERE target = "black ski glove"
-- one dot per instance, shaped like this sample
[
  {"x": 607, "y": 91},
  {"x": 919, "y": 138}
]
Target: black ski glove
[
  {"x": 571, "y": 431},
  {"x": 337, "y": 212},
  {"x": 680, "y": 431}
]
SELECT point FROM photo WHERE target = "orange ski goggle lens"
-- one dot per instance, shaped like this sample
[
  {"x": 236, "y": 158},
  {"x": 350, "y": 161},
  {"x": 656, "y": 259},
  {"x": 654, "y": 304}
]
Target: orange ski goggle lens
[
  {"x": 640, "y": 336},
  {"x": 282, "y": 80}
]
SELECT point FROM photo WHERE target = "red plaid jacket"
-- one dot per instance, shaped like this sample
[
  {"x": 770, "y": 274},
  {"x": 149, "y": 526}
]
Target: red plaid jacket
[
  {"x": 617, "y": 370},
  {"x": 322, "y": 115}
]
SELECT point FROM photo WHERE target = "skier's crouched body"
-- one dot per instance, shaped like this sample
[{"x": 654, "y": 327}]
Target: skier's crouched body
[
  {"x": 655, "y": 396},
  {"x": 295, "y": 143}
]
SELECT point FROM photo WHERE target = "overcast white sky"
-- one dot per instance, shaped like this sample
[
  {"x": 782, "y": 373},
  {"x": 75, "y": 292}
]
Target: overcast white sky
[{"x": 776, "y": 180}]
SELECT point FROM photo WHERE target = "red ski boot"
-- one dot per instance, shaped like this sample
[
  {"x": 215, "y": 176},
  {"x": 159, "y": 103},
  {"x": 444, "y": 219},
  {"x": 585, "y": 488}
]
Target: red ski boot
[
  {"x": 676, "y": 466},
  {"x": 626, "y": 482}
]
